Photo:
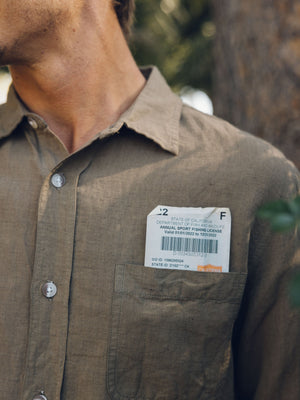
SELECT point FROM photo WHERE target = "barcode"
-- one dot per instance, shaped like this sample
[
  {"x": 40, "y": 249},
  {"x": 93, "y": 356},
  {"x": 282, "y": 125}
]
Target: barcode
[{"x": 188, "y": 245}]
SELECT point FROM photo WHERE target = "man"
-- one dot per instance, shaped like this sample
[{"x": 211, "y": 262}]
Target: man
[{"x": 89, "y": 146}]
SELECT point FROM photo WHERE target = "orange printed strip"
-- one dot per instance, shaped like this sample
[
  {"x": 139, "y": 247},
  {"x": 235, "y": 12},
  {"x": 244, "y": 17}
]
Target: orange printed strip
[{"x": 209, "y": 268}]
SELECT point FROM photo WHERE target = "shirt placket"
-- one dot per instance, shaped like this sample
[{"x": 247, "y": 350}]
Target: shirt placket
[{"x": 50, "y": 288}]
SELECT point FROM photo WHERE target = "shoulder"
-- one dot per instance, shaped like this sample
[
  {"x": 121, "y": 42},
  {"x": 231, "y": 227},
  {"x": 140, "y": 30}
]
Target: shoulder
[{"x": 240, "y": 157}]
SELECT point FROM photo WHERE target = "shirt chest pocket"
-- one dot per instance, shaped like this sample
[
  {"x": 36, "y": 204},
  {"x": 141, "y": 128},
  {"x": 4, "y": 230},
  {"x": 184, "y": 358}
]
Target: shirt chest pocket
[{"x": 171, "y": 332}]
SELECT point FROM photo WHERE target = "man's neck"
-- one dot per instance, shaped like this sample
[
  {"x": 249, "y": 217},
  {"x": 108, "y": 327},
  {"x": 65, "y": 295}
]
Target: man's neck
[{"x": 82, "y": 88}]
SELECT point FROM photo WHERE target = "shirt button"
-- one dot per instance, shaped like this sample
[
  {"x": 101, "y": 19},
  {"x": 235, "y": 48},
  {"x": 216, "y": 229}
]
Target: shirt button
[
  {"x": 40, "y": 397},
  {"x": 49, "y": 290},
  {"x": 32, "y": 122},
  {"x": 58, "y": 180}
]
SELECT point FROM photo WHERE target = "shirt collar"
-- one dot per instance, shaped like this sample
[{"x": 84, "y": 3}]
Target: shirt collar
[
  {"x": 154, "y": 114},
  {"x": 11, "y": 113}
]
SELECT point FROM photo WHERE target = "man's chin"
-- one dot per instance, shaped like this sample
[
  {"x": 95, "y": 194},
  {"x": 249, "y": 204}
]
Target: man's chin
[
  {"x": 3, "y": 59},
  {"x": 11, "y": 55}
]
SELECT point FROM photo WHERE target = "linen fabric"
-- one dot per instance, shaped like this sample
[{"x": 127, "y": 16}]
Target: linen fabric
[{"x": 116, "y": 329}]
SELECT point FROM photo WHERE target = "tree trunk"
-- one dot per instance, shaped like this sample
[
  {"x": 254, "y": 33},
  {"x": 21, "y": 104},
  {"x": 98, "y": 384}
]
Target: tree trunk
[{"x": 257, "y": 72}]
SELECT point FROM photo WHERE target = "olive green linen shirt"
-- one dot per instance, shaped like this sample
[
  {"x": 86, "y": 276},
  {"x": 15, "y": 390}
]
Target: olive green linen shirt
[{"x": 110, "y": 327}]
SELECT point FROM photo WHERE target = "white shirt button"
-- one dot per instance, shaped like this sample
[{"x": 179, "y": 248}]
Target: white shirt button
[
  {"x": 40, "y": 397},
  {"x": 32, "y": 122},
  {"x": 49, "y": 290},
  {"x": 58, "y": 180}
]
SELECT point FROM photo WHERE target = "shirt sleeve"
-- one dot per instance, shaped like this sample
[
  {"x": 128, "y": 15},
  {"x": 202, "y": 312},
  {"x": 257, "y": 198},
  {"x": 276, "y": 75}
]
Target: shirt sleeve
[{"x": 266, "y": 337}]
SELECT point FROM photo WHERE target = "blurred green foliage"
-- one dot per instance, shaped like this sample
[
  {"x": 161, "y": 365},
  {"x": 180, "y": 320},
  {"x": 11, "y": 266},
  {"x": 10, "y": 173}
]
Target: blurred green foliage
[
  {"x": 177, "y": 36},
  {"x": 284, "y": 216}
]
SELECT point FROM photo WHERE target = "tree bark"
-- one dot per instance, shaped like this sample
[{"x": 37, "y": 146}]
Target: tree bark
[{"x": 257, "y": 71}]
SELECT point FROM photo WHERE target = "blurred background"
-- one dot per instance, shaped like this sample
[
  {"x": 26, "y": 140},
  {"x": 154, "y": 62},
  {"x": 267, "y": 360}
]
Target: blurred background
[{"x": 237, "y": 59}]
